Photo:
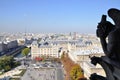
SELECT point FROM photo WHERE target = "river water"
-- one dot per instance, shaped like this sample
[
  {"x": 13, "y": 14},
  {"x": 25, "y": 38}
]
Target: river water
[{"x": 19, "y": 55}]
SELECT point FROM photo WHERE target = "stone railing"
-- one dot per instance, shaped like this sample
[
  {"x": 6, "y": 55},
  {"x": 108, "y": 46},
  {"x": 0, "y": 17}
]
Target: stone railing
[{"x": 111, "y": 68}]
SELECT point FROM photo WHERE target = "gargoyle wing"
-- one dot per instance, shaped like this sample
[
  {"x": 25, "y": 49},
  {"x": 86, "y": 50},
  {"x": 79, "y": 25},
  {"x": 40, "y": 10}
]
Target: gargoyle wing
[{"x": 115, "y": 15}]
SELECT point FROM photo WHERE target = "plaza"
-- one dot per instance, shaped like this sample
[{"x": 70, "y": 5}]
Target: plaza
[{"x": 44, "y": 72}]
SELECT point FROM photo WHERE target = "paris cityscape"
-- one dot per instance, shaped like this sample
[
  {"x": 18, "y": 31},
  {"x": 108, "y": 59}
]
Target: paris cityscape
[
  {"x": 46, "y": 50},
  {"x": 51, "y": 39}
]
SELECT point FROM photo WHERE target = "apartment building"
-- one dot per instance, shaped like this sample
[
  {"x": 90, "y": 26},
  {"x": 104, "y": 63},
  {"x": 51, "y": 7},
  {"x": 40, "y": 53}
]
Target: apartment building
[
  {"x": 54, "y": 48},
  {"x": 82, "y": 57},
  {"x": 8, "y": 45}
]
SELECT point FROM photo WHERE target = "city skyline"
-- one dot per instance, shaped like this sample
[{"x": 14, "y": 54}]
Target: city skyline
[{"x": 46, "y": 16}]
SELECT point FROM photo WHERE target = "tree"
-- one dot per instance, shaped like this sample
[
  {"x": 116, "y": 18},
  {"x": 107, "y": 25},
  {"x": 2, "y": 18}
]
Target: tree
[
  {"x": 7, "y": 62},
  {"x": 82, "y": 79},
  {"x": 76, "y": 72},
  {"x": 7, "y": 68},
  {"x": 25, "y": 51},
  {"x": 43, "y": 58},
  {"x": 39, "y": 39},
  {"x": 63, "y": 55},
  {"x": 38, "y": 58}
]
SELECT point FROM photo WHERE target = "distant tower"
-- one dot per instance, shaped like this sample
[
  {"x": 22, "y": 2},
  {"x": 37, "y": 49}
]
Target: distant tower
[
  {"x": 25, "y": 33},
  {"x": 25, "y": 37},
  {"x": 75, "y": 36},
  {"x": 70, "y": 34}
]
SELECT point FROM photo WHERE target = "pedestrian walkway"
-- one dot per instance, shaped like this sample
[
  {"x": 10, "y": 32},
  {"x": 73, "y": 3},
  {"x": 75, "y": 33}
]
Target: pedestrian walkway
[{"x": 12, "y": 72}]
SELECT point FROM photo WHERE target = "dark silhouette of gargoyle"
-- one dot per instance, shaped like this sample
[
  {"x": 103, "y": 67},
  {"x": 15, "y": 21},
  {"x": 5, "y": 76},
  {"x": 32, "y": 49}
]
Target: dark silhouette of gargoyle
[
  {"x": 111, "y": 61},
  {"x": 106, "y": 29}
]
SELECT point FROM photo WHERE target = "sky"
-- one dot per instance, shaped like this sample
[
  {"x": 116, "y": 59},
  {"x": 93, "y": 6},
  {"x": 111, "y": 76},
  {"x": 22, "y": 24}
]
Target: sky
[{"x": 53, "y": 16}]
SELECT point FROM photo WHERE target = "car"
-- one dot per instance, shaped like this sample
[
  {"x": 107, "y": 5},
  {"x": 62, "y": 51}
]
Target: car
[
  {"x": 44, "y": 65},
  {"x": 34, "y": 64},
  {"x": 36, "y": 67},
  {"x": 51, "y": 65}
]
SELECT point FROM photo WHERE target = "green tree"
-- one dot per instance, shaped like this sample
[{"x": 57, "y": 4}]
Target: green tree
[
  {"x": 25, "y": 51},
  {"x": 7, "y": 62},
  {"x": 39, "y": 39},
  {"x": 7, "y": 68},
  {"x": 76, "y": 72},
  {"x": 62, "y": 56},
  {"x": 1, "y": 65},
  {"x": 4, "y": 61}
]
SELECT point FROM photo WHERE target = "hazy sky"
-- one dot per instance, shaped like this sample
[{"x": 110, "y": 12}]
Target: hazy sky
[{"x": 53, "y": 15}]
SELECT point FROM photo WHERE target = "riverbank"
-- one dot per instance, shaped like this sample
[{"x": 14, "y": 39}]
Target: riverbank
[
  {"x": 16, "y": 51},
  {"x": 13, "y": 52}
]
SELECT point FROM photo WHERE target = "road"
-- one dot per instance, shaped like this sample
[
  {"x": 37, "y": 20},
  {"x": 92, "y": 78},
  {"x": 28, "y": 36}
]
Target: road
[{"x": 60, "y": 72}]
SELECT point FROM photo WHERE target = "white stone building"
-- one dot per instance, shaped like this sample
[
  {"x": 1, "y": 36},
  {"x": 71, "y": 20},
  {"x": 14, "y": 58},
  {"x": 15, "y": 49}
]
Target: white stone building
[
  {"x": 53, "y": 48},
  {"x": 82, "y": 57},
  {"x": 38, "y": 50}
]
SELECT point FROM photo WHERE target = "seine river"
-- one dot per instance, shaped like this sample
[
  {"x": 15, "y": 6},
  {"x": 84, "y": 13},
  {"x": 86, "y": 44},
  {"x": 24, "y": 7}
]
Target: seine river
[{"x": 19, "y": 55}]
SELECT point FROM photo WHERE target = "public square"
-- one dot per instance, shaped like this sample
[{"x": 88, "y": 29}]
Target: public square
[{"x": 44, "y": 71}]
